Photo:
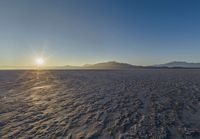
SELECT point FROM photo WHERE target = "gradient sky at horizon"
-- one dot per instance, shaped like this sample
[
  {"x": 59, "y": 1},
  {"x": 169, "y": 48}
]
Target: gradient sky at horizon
[{"x": 76, "y": 32}]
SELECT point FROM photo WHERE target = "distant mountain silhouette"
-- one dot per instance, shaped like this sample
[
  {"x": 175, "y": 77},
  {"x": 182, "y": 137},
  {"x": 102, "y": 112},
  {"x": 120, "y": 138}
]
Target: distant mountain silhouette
[
  {"x": 181, "y": 64},
  {"x": 109, "y": 65},
  {"x": 118, "y": 65}
]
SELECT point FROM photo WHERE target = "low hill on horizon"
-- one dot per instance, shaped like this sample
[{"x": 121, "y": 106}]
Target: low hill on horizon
[{"x": 179, "y": 64}]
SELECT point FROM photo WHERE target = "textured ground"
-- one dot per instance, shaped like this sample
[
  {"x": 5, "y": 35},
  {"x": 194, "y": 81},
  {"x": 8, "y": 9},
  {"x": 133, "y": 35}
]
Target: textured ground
[{"x": 157, "y": 104}]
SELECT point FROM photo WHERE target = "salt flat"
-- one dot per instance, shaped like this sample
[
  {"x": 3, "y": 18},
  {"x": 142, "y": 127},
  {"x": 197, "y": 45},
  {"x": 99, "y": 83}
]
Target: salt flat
[{"x": 105, "y": 104}]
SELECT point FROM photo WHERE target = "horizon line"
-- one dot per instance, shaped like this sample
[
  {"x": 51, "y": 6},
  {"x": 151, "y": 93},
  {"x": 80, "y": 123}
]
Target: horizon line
[{"x": 48, "y": 67}]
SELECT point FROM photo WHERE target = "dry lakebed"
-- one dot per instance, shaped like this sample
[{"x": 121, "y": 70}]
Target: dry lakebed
[{"x": 100, "y": 104}]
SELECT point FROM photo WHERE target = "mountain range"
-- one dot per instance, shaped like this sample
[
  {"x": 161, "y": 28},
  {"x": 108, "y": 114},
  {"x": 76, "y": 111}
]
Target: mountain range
[{"x": 118, "y": 65}]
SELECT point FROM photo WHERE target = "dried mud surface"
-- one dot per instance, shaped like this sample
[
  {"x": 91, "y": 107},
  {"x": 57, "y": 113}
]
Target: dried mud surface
[{"x": 144, "y": 104}]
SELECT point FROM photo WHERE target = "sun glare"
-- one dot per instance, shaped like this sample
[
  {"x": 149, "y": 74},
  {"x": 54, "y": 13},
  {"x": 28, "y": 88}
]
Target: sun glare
[{"x": 39, "y": 61}]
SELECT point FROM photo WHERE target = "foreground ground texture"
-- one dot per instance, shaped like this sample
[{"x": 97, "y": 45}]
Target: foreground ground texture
[{"x": 157, "y": 104}]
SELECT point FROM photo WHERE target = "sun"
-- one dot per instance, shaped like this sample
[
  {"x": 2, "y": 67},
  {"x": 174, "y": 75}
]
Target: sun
[{"x": 39, "y": 61}]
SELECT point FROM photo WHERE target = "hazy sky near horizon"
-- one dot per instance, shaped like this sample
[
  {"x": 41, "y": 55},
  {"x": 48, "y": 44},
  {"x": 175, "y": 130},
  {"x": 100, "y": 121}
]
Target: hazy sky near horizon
[{"x": 76, "y": 32}]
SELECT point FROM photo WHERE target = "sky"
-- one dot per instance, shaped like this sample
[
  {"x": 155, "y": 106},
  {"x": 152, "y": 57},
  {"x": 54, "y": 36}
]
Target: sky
[{"x": 77, "y": 32}]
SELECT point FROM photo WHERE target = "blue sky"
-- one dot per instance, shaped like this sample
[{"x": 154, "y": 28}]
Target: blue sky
[{"x": 76, "y": 32}]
